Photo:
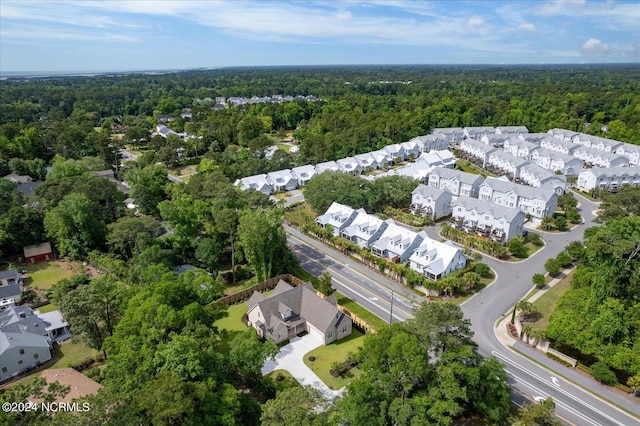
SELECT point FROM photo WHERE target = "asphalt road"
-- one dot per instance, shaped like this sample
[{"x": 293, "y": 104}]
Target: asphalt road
[{"x": 372, "y": 291}]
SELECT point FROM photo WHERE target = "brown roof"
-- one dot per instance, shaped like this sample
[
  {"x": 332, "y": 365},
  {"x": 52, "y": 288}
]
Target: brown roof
[
  {"x": 80, "y": 384},
  {"x": 37, "y": 249}
]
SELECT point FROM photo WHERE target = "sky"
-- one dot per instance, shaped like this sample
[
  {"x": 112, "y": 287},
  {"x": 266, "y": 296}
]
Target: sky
[{"x": 104, "y": 35}]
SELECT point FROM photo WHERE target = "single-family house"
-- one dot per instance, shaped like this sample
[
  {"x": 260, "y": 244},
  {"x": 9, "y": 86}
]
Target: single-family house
[
  {"x": 511, "y": 130},
  {"x": 397, "y": 243},
  {"x": 488, "y": 219},
  {"x": 382, "y": 158},
  {"x": 328, "y": 166},
  {"x": 453, "y": 134},
  {"x": 364, "y": 229},
  {"x": 18, "y": 179},
  {"x": 537, "y": 202},
  {"x": 38, "y": 253},
  {"x": 164, "y": 131},
  {"x": 478, "y": 132},
  {"x": 609, "y": 178},
  {"x": 537, "y": 177},
  {"x": 503, "y": 162},
  {"x": 79, "y": 385},
  {"x": 11, "y": 285},
  {"x": 289, "y": 311},
  {"x": 431, "y": 201},
  {"x": 26, "y": 338},
  {"x": 631, "y": 151},
  {"x": 476, "y": 151},
  {"x": 366, "y": 162},
  {"x": 257, "y": 182},
  {"x": 459, "y": 183},
  {"x": 282, "y": 180},
  {"x": 338, "y": 216},
  {"x": 349, "y": 165},
  {"x": 303, "y": 174},
  {"x": 395, "y": 151},
  {"x": 435, "y": 259},
  {"x": 164, "y": 118}
]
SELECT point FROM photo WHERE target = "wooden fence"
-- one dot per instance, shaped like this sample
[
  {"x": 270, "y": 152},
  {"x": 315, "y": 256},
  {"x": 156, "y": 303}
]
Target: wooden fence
[{"x": 243, "y": 295}]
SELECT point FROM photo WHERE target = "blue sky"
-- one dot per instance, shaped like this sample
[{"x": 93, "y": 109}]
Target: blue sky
[{"x": 39, "y": 36}]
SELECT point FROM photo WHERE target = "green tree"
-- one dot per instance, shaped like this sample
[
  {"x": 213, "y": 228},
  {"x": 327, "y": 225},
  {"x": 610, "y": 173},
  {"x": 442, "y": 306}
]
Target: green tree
[
  {"x": 263, "y": 241},
  {"x": 560, "y": 222},
  {"x": 564, "y": 259},
  {"x": 552, "y": 266},
  {"x": 74, "y": 227},
  {"x": 483, "y": 270},
  {"x": 540, "y": 414},
  {"x": 601, "y": 372},
  {"x": 539, "y": 280},
  {"x": 130, "y": 235},
  {"x": 517, "y": 247},
  {"x": 324, "y": 284},
  {"x": 148, "y": 187},
  {"x": 303, "y": 406}
]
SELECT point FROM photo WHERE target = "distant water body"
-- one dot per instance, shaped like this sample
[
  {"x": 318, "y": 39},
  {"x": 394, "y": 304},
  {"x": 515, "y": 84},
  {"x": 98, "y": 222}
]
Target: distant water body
[{"x": 5, "y": 75}]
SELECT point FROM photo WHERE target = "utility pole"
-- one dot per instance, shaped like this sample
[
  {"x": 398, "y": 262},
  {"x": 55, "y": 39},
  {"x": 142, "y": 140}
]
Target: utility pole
[{"x": 391, "y": 311}]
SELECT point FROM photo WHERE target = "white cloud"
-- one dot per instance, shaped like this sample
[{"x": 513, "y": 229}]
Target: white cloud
[
  {"x": 477, "y": 24},
  {"x": 594, "y": 47},
  {"x": 561, "y": 7},
  {"x": 527, "y": 27}
]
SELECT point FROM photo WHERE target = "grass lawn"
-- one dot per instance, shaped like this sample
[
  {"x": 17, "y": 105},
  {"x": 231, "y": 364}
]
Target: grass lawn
[
  {"x": 547, "y": 302},
  {"x": 233, "y": 322},
  {"x": 300, "y": 212},
  {"x": 48, "y": 308},
  {"x": 44, "y": 275},
  {"x": 73, "y": 352},
  {"x": 286, "y": 383},
  {"x": 336, "y": 351},
  {"x": 367, "y": 316}
]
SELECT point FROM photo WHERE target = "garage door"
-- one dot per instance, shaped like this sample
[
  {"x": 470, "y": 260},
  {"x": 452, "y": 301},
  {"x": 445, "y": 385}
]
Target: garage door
[{"x": 315, "y": 333}]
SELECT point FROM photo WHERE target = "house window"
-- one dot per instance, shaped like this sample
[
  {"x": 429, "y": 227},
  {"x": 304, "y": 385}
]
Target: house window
[
  {"x": 20, "y": 362},
  {"x": 4, "y": 369},
  {"x": 344, "y": 329},
  {"x": 36, "y": 356},
  {"x": 330, "y": 335},
  {"x": 21, "y": 351}
]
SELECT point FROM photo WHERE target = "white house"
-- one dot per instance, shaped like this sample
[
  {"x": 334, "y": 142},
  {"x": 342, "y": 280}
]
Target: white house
[
  {"x": 366, "y": 161},
  {"x": 436, "y": 141},
  {"x": 597, "y": 158},
  {"x": 348, "y": 165},
  {"x": 537, "y": 202},
  {"x": 497, "y": 140},
  {"x": 282, "y": 180},
  {"x": 563, "y": 134},
  {"x": 559, "y": 145},
  {"x": 520, "y": 148},
  {"x": 383, "y": 159},
  {"x": 459, "y": 183},
  {"x": 364, "y": 229},
  {"x": 611, "y": 179},
  {"x": 411, "y": 149},
  {"x": 478, "y": 132},
  {"x": 395, "y": 151},
  {"x": 537, "y": 177},
  {"x": 476, "y": 151},
  {"x": 11, "y": 286},
  {"x": 397, "y": 243},
  {"x": 303, "y": 174},
  {"x": 488, "y": 219},
  {"x": 338, "y": 216},
  {"x": 536, "y": 138},
  {"x": 557, "y": 161},
  {"x": 436, "y": 260},
  {"x": 257, "y": 182},
  {"x": 419, "y": 170},
  {"x": 511, "y": 130},
  {"x": 505, "y": 162},
  {"x": 453, "y": 134},
  {"x": 602, "y": 144},
  {"x": 631, "y": 151},
  {"x": 430, "y": 201},
  {"x": 443, "y": 158},
  {"x": 289, "y": 311},
  {"x": 328, "y": 166}
]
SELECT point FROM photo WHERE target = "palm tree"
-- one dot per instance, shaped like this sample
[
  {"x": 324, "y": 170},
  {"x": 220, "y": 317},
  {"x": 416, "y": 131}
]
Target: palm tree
[
  {"x": 526, "y": 309},
  {"x": 547, "y": 222},
  {"x": 471, "y": 280},
  {"x": 634, "y": 384},
  {"x": 526, "y": 331},
  {"x": 537, "y": 334}
]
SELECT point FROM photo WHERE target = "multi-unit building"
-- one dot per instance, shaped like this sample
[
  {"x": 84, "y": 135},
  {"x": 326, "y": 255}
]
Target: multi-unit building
[
  {"x": 327, "y": 166},
  {"x": 537, "y": 177},
  {"x": 555, "y": 161},
  {"x": 411, "y": 149},
  {"x": 395, "y": 151},
  {"x": 431, "y": 201},
  {"x": 366, "y": 161},
  {"x": 397, "y": 243},
  {"x": 303, "y": 174},
  {"x": 349, "y": 165},
  {"x": 503, "y": 162},
  {"x": 438, "y": 158},
  {"x": 511, "y": 130},
  {"x": 364, "y": 229},
  {"x": 559, "y": 145},
  {"x": 520, "y": 148},
  {"x": 601, "y": 144},
  {"x": 478, "y": 132},
  {"x": 432, "y": 142},
  {"x": 596, "y": 158},
  {"x": 338, "y": 216},
  {"x": 563, "y": 134},
  {"x": 452, "y": 134},
  {"x": 435, "y": 259},
  {"x": 460, "y": 184},
  {"x": 257, "y": 182},
  {"x": 537, "y": 202},
  {"x": 488, "y": 219},
  {"x": 476, "y": 151},
  {"x": 632, "y": 152},
  {"x": 611, "y": 179}
]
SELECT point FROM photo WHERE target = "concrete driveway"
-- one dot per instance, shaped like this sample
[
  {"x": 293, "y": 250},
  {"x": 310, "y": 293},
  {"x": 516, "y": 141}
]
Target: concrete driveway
[{"x": 291, "y": 357}]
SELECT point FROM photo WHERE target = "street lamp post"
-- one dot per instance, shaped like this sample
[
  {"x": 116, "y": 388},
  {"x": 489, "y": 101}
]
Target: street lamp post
[{"x": 391, "y": 310}]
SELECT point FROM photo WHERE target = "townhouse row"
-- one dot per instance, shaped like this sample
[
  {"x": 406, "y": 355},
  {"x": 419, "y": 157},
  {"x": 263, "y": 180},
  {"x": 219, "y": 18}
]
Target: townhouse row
[{"x": 386, "y": 239}]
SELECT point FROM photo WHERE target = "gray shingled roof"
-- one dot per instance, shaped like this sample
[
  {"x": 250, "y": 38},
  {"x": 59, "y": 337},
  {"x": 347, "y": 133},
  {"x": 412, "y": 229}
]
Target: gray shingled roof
[
  {"x": 463, "y": 177},
  {"x": 482, "y": 207},
  {"x": 520, "y": 190},
  {"x": 429, "y": 191}
]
